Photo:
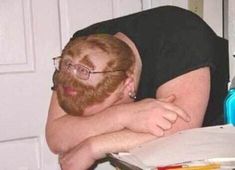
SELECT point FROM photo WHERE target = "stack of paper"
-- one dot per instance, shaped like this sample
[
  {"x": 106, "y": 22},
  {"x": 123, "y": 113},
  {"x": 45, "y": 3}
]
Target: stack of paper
[{"x": 200, "y": 144}]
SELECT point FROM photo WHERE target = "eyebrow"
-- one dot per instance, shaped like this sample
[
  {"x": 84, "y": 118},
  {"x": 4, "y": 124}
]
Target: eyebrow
[{"x": 86, "y": 60}]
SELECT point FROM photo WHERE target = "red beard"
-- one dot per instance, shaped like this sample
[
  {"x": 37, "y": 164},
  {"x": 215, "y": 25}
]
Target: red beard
[{"x": 74, "y": 96}]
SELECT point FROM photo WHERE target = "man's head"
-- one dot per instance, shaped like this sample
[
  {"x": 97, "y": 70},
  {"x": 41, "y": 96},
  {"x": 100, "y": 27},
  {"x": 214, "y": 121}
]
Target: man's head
[{"x": 91, "y": 70}]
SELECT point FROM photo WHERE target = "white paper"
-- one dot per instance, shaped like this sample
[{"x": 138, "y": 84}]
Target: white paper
[{"x": 185, "y": 146}]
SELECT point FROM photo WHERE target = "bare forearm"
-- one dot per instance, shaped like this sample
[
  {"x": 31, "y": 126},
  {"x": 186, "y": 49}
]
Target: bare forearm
[
  {"x": 68, "y": 131},
  {"x": 65, "y": 132},
  {"x": 84, "y": 155},
  {"x": 124, "y": 140},
  {"x": 120, "y": 141}
]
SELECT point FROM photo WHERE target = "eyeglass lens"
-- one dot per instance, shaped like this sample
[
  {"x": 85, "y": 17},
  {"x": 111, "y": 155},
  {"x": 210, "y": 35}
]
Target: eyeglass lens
[
  {"x": 82, "y": 72},
  {"x": 78, "y": 70}
]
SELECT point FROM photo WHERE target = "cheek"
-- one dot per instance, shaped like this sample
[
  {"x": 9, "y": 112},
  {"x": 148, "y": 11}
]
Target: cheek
[{"x": 95, "y": 79}]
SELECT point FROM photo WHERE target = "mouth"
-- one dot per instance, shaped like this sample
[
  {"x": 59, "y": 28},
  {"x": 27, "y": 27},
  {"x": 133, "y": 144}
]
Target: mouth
[{"x": 70, "y": 91}]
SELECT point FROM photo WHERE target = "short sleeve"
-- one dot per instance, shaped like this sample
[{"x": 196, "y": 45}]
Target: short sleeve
[{"x": 183, "y": 51}]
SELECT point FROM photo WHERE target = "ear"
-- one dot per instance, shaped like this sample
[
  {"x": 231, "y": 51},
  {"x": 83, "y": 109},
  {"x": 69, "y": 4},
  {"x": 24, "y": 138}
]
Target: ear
[{"x": 129, "y": 85}]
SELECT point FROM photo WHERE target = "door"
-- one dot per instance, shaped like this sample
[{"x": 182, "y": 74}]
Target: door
[{"x": 29, "y": 38}]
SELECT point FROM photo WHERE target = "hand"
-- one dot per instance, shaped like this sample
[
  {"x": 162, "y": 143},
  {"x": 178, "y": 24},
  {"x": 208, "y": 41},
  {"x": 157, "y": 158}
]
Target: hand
[
  {"x": 80, "y": 157},
  {"x": 154, "y": 115}
]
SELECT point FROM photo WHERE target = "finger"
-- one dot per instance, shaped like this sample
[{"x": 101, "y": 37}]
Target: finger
[
  {"x": 156, "y": 130},
  {"x": 170, "y": 116},
  {"x": 180, "y": 112},
  {"x": 164, "y": 123},
  {"x": 170, "y": 98}
]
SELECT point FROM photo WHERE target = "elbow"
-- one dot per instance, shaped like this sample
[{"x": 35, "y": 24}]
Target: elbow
[
  {"x": 55, "y": 144},
  {"x": 54, "y": 148}
]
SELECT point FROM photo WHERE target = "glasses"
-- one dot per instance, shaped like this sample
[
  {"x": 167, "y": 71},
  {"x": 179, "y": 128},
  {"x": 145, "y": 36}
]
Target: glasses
[{"x": 80, "y": 71}]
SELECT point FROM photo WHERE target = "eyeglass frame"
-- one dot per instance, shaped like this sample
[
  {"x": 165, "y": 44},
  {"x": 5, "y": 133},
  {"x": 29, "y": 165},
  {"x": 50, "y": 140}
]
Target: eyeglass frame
[{"x": 81, "y": 66}]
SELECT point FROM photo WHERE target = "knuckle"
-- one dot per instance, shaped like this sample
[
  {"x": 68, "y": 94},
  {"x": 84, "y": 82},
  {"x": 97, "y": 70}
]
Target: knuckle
[
  {"x": 165, "y": 126},
  {"x": 169, "y": 125},
  {"x": 160, "y": 132},
  {"x": 174, "y": 116}
]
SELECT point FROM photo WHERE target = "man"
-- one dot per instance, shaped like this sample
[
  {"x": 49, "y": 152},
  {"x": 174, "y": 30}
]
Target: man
[
  {"x": 185, "y": 39},
  {"x": 82, "y": 94}
]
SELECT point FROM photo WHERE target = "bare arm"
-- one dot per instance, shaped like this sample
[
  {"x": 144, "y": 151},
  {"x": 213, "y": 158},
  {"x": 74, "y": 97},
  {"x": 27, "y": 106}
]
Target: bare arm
[
  {"x": 192, "y": 94},
  {"x": 85, "y": 154},
  {"x": 149, "y": 116},
  {"x": 71, "y": 130},
  {"x": 192, "y": 91}
]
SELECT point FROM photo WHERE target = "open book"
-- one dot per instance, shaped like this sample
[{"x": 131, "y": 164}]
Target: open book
[{"x": 209, "y": 143}]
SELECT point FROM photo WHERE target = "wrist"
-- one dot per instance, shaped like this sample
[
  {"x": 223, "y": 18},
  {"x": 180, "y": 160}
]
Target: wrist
[
  {"x": 94, "y": 148},
  {"x": 123, "y": 116}
]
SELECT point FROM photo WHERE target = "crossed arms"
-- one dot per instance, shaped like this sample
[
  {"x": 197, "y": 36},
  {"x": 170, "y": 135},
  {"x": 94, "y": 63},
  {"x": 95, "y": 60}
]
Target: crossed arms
[{"x": 82, "y": 140}]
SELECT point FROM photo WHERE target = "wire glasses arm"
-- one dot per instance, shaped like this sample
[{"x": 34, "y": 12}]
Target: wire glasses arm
[{"x": 108, "y": 71}]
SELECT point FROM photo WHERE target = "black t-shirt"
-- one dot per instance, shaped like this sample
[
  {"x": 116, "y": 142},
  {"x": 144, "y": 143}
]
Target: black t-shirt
[{"x": 171, "y": 41}]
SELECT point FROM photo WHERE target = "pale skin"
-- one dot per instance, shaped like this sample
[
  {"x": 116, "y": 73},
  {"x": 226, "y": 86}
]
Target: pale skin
[
  {"x": 93, "y": 136},
  {"x": 95, "y": 147}
]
